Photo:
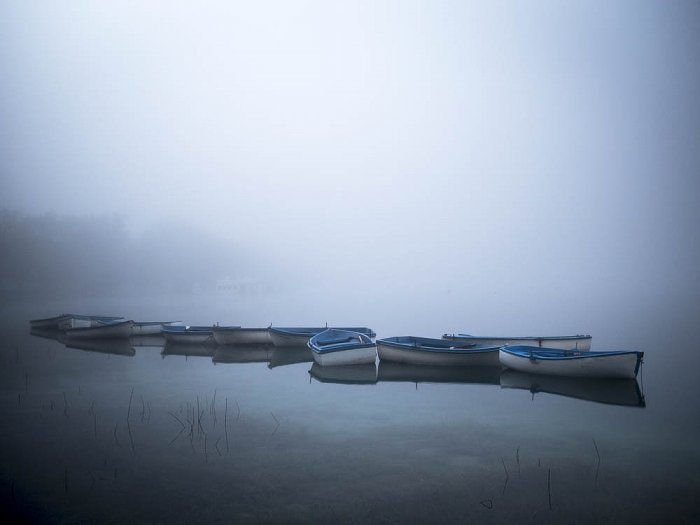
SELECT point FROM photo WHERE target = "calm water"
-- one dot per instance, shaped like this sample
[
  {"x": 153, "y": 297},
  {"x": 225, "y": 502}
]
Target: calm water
[{"x": 142, "y": 433}]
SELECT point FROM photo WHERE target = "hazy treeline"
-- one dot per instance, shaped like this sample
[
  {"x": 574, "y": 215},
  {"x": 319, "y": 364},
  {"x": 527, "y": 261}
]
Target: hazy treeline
[{"x": 50, "y": 255}]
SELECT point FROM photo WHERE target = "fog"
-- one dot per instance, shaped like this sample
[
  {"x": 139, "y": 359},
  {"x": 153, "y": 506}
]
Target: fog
[{"x": 353, "y": 152}]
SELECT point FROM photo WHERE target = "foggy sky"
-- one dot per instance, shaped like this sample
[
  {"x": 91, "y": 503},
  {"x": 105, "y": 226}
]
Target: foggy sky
[{"x": 447, "y": 144}]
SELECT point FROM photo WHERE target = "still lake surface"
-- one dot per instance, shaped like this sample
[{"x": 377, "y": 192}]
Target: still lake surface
[{"x": 144, "y": 433}]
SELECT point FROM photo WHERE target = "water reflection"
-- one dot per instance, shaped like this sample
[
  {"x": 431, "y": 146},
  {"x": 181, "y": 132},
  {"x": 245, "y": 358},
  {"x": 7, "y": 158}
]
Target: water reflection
[
  {"x": 46, "y": 333},
  {"x": 188, "y": 350},
  {"x": 148, "y": 340},
  {"x": 103, "y": 346},
  {"x": 347, "y": 374},
  {"x": 623, "y": 392},
  {"x": 242, "y": 354},
  {"x": 391, "y": 371},
  {"x": 290, "y": 355}
]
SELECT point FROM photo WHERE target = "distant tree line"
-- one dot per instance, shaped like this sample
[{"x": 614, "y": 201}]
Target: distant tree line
[{"x": 52, "y": 255}]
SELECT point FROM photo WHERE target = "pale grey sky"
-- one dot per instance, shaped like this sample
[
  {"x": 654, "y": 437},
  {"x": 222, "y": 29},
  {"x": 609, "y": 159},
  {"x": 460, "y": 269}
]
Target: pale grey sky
[{"x": 497, "y": 142}]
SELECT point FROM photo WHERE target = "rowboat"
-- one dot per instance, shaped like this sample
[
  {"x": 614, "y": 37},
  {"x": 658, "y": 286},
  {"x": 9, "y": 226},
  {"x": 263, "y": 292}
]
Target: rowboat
[
  {"x": 104, "y": 330},
  {"x": 187, "y": 334},
  {"x": 623, "y": 392},
  {"x": 402, "y": 372},
  {"x": 438, "y": 352},
  {"x": 559, "y": 362},
  {"x": 236, "y": 335},
  {"x": 65, "y": 321},
  {"x": 365, "y": 374},
  {"x": 581, "y": 343},
  {"x": 294, "y": 336},
  {"x": 335, "y": 347},
  {"x": 151, "y": 327}
]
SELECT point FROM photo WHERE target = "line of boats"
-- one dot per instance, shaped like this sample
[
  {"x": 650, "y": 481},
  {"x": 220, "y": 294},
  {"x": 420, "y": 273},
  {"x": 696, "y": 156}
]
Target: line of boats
[
  {"x": 622, "y": 392},
  {"x": 348, "y": 346}
]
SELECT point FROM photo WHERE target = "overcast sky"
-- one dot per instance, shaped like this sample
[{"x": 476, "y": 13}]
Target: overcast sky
[{"x": 551, "y": 140}]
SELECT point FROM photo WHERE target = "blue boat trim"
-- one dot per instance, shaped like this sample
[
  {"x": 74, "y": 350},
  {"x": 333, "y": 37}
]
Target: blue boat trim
[{"x": 553, "y": 354}]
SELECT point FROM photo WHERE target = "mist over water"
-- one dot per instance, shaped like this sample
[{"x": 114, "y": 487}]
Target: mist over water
[{"x": 418, "y": 169}]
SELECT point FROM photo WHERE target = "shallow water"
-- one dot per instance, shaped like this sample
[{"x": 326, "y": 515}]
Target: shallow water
[{"x": 143, "y": 433}]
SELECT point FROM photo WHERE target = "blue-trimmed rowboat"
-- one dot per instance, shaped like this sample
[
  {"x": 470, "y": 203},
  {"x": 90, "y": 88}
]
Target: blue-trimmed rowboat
[
  {"x": 559, "y": 362},
  {"x": 438, "y": 352},
  {"x": 104, "y": 330},
  {"x": 296, "y": 336},
  {"x": 335, "y": 346},
  {"x": 188, "y": 334},
  {"x": 581, "y": 343}
]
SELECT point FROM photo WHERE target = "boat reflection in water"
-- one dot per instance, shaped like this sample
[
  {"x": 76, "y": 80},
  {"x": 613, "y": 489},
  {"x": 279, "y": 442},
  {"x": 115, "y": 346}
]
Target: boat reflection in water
[
  {"x": 485, "y": 375},
  {"x": 47, "y": 333},
  {"x": 365, "y": 374},
  {"x": 242, "y": 354},
  {"x": 103, "y": 346},
  {"x": 290, "y": 355},
  {"x": 187, "y": 350},
  {"x": 624, "y": 392},
  {"x": 148, "y": 340}
]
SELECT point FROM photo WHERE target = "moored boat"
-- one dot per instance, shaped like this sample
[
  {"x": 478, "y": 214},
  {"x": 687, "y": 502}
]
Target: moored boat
[
  {"x": 582, "y": 343},
  {"x": 151, "y": 327},
  {"x": 237, "y": 335},
  {"x": 299, "y": 336},
  {"x": 438, "y": 352},
  {"x": 106, "y": 330},
  {"x": 559, "y": 362},
  {"x": 336, "y": 347},
  {"x": 187, "y": 334}
]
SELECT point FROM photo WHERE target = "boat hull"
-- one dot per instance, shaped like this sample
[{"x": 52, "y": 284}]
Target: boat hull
[
  {"x": 151, "y": 328},
  {"x": 416, "y": 356},
  {"x": 614, "y": 365},
  {"x": 352, "y": 356},
  {"x": 582, "y": 343},
  {"x": 104, "y": 331},
  {"x": 241, "y": 336},
  {"x": 49, "y": 323},
  {"x": 285, "y": 339},
  {"x": 196, "y": 338}
]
